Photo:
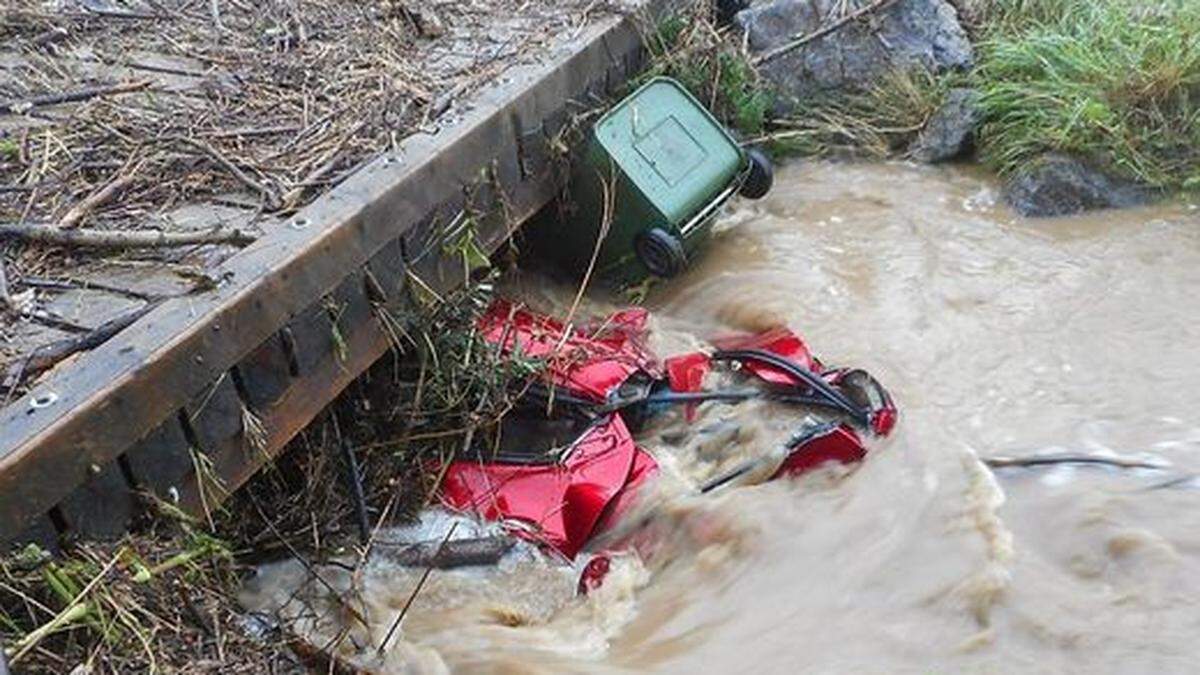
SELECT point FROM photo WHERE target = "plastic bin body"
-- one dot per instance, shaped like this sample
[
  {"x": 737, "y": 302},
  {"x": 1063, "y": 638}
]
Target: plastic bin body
[{"x": 668, "y": 163}]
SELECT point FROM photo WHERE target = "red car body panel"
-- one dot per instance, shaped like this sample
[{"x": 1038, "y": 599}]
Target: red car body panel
[
  {"x": 564, "y": 504},
  {"x": 560, "y": 504},
  {"x": 591, "y": 360}
]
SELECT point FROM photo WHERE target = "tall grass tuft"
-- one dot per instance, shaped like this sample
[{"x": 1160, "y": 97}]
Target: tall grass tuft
[
  {"x": 689, "y": 48},
  {"x": 879, "y": 121},
  {"x": 1116, "y": 81}
]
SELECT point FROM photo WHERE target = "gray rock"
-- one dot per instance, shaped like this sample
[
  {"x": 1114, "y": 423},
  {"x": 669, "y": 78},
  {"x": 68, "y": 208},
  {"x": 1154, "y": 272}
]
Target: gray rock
[
  {"x": 909, "y": 33},
  {"x": 1060, "y": 185},
  {"x": 950, "y": 132}
]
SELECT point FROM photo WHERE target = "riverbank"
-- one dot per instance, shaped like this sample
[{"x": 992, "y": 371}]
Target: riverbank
[{"x": 1076, "y": 104}]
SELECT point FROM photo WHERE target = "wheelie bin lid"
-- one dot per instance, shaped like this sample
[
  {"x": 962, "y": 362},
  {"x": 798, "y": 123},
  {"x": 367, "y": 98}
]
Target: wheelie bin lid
[{"x": 670, "y": 148}]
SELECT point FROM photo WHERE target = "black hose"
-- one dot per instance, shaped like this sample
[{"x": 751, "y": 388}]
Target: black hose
[
  {"x": 559, "y": 395},
  {"x": 358, "y": 498},
  {"x": 670, "y": 397},
  {"x": 836, "y": 398}
]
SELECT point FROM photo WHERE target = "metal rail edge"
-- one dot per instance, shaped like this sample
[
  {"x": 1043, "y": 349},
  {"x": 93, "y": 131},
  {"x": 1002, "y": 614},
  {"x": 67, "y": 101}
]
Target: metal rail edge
[{"x": 164, "y": 406}]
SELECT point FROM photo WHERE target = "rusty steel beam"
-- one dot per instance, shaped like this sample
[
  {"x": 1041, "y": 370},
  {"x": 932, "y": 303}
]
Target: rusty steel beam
[{"x": 132, "y": 400}]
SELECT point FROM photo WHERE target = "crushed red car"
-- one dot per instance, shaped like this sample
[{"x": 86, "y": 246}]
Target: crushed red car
[{"x": 603, "y": 380}]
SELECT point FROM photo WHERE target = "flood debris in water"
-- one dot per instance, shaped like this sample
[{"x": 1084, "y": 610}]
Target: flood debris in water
[{"x": 567, "y": 484}]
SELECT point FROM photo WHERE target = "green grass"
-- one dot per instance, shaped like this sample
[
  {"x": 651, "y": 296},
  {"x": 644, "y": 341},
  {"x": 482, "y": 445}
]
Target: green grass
[
  {"x": 1116, "y": 81},
  {"x": 719, "y": 74},
  {"x": 880, "y": 121}
]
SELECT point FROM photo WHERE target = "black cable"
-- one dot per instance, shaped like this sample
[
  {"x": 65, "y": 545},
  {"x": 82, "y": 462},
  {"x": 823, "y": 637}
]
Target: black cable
[
  {"x": 354, "y": 482},
  {"x": 835, "y": 397}
]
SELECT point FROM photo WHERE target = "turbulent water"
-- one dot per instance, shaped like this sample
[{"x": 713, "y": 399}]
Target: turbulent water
[{"x": 999, "y": 337}]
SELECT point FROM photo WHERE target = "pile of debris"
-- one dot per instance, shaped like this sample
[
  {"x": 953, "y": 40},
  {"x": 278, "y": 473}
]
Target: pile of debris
[
  {"x": 565, "y": 468},
  {"x": 143, "y": 142},
  {"x": 562, "y": 489}
]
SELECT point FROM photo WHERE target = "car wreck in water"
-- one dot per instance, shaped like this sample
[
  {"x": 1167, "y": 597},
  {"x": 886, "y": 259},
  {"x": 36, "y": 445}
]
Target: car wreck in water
[{"x": 567, "y": 469}]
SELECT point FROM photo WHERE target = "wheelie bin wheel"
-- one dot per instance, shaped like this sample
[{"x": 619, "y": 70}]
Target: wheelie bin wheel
[
  {"x": 759, "y": 177},
  {"x": 661, "y": 252}
]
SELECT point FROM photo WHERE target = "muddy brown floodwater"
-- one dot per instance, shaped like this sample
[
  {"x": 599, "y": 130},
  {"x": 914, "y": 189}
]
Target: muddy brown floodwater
[{"x": 999, "y": 337}]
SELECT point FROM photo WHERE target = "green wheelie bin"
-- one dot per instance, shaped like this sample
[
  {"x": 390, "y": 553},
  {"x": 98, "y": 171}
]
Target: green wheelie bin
[{"x": 658, "y": 167}]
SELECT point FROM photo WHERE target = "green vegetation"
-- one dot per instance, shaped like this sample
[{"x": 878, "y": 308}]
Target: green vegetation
[
  {"x": 1117, "y": 81},
  {"x": 879, "y": 121},
  {"x": 689, "y": 49},
  {"x": 1114, "y": 81},
  {"x": 115, "y": 605}
]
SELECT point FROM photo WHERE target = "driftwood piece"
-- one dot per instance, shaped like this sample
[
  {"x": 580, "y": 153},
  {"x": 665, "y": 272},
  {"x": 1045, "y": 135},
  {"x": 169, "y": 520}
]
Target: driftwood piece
[
  {"x": 1050, "y": 460},
  {"x": 81, "y": 238},
  {"x": 71, "y": 96},
  {"x": 456, "y": 553},
  {"x": 98, "y": 198}
]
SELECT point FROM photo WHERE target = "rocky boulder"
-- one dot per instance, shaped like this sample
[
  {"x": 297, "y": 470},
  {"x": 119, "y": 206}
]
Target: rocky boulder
[
  {"x": 897, "y": 34},
  {"x": 1060, "y": 185},
  {"x": 950, "y": 132}
]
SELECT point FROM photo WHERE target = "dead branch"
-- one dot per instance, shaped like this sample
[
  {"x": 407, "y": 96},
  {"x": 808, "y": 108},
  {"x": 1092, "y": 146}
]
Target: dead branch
[
  {"x": 68, "y": 283},
  {"x": 457, "y": 553},
  {"x": 1049, "y": 460},
  {"x": 71, "y": 96},
  {"x": 53, "y": 236},
  {"x": 47, "y": 356},
  {"x": 98, "y": 198},
  {"x": 802, "y": 40},
  {"x": 270, "y": 198}
]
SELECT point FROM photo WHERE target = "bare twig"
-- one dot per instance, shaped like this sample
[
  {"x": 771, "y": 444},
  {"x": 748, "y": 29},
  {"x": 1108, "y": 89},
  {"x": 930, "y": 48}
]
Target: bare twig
[
  {"x": 47, "y": 356},
  {"x": 214, "y": 11},
  {"x": 251, "y": 131},
  {"x": 5, "y": 297},
  {"x": 270, "y": 197},
  {"x": 1048, "y": 460},
  {"x": 116, "y": 13},
  {"x": 98, "y": 198},
  {"x": 416, "y": 590},
  {"x": 802, "y": 40},
  {"x": 354, "y": 482},
  {"x": 601, "y": 234},
  {"x": 103, "y": 239},
  {"x": 354, "y": 613},
  {"x": 53, "y": 320},
  {"x": 71, "y": 96},
  {"x": 329, "y": 161}
]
